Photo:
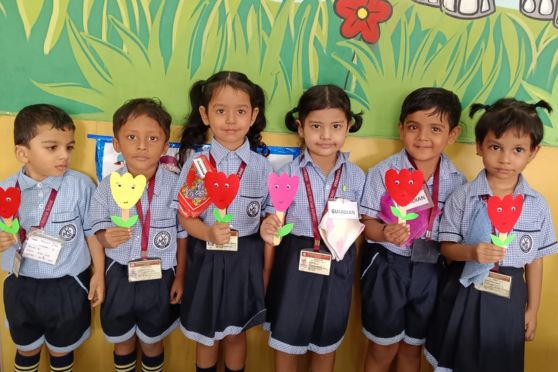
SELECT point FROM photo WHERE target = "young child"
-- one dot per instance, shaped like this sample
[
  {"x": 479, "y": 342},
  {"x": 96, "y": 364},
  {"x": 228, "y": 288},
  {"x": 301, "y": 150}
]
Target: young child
[
  {"x": 225, "y": 290},
  {"x": 476, "y": 330},
  {"x": 146, "y": 309},
  {"x": 309, "y": 311},
  {"x": 48, "y": 303},
  {"x": 398, "y": 286}
]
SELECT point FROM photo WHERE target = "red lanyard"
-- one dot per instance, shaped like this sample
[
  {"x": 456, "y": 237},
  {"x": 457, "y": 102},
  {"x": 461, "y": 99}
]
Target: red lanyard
[
  {"x": 146, "y": 223},
  {"x": 435, "y": 196},
  {"x": 44, "y": 217},
  {"x": 310, "y": 196},
  {"x": 240, "y": 170}
]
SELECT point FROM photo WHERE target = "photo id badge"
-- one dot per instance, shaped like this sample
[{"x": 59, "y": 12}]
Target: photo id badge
[
  {"x": 231, "y": 246},
  {"x": 144, "y": 269},
  {"x": 42, "y": 247},
  {"x": 17, "y": 263},
  {"x": 497, "y": 284},
  {"x": 426, "y": 251},
  {"x": 314, "y": 262}
]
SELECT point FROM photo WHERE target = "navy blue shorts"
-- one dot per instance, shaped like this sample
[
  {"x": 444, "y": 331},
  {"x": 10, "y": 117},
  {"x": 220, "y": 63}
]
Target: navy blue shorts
[
  {"x": 398, "y": 296},
  {"x": 52, "y": 311},
  {"x": 306, "y": 311},
  {"x": 138, "y": 308},
  {"x": 223, "y": 292}
]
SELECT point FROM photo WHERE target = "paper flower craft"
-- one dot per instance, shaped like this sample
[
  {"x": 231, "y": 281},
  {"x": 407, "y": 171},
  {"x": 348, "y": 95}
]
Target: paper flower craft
[
  {"x": 9, "y": 204},
  {"x": 403, "y": 187},
  {"x": 282, "y": 189},
  {"x": 222, "y": 190},
  {"x": 503, "y": 214},
  {"x": 126, "y": 191}
]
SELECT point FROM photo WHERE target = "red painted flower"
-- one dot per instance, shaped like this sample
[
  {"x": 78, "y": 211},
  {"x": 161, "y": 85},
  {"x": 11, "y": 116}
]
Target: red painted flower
[
  {"x": 362, "y": 17},
  {"x": 221, "y": 189},
  {"x": 404, "y": 186},
  {"x": 504, "y": 213},
  {"x": 9, "y": 202}
]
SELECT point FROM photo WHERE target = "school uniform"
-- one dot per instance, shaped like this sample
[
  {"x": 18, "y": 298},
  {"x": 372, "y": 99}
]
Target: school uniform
[
  {"x": 474, "y": 330},
  {"x": 48, "y": 303},
  {"x": 139, "y": 308},
  {"x": 398, "y": 294},
  {"x": 309, "y": 311},
  {"x": 224, "y": 289}
]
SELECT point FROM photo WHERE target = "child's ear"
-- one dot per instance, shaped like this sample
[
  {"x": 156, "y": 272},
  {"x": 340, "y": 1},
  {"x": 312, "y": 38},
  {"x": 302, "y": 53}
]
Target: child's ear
[
  {"x": 534, "y": 153},
  {"x": 454, "y": 135},
  {"x": 255, "y": 112},
  {"x": 116, "y": 144},
  {"x": 299, "y": 128},
  {"x": 479, "y": 149},
  {"x": 203, "y": 114},
  {"x": 21, "y": 153},
  {"x": 400, "y": 129}
]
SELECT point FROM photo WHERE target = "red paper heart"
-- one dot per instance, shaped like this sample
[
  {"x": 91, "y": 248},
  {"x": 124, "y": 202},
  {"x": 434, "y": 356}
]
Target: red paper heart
[
  {"x": 193, "y": 198},
  {"x": 9, "y": 202},
  {"x": 221, "y": 189},
  {"x": 504, "y": 213},
  {"x": 404, "y": 186}
]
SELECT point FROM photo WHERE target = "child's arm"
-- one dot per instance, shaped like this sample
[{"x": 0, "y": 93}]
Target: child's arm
[
  {"x": 533, "y": 277},
  {"x": 396, "y": 233},
  {"x": 269, "y": 255},
  {"x": 97, "y": 282},
  {"x": 481, "y": 252},
  {"x": 269, "y": 228},
  {"x": 177, "y": 289},
  {"x": 6, "y": 240},
  {"x": 218, "y": 233}
]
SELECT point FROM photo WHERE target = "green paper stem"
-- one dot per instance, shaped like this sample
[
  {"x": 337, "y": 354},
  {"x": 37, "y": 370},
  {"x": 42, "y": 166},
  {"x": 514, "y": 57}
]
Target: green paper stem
[
  {"x": 11, "y": 229},
  {"x": 285, "y": 230},
  {"x": 120, "y": 222},
  {"x": 396, "y": 212},
  {"x": 223, "y": 219}
]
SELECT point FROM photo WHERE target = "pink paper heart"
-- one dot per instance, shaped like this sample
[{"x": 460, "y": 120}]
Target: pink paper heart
[{"x": 282, "y": 190}]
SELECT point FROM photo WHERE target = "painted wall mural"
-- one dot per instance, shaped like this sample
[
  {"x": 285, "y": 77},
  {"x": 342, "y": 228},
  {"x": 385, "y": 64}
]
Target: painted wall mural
[{"x": 89, "y": 56}]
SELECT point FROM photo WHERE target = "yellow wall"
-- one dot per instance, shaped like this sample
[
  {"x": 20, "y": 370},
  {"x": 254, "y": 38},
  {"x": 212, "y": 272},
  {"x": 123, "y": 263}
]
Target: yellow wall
[{"x": 96, "y": 354}]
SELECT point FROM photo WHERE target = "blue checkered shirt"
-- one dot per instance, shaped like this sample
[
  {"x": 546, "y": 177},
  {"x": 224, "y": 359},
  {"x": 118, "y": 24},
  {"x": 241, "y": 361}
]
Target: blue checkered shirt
[
  {"x": 534, "y": 231},
  {"x": 68, "y": 221},
  {"x": 164, "y": 229},
  {"x": 450, "y": 179},
  {"x": 350, "y": 187},
  {"x": 250, "y": 203}
]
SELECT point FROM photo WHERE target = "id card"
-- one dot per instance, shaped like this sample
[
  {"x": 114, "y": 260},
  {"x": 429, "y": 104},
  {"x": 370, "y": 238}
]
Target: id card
[
  {"x": 426, "y": 251},
  {"x": 42, "y": 247},
  {"x": 144, "y": 269},
  {"x": 231, "y": 246},
  {"x": 314, "y": 262},
  {"x": 342, "y": 209},
  {"x": 17, "y": 263},
  {"x": 497, "y": 284}
]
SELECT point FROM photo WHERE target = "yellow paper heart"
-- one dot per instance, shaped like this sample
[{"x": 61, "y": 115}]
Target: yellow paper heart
[{"x": 127, "y": 189}]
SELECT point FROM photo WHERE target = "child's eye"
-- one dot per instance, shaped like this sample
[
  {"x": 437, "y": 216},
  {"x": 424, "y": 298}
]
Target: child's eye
[
  {"x": 70, "y": 148},
  {"x": 436, "y": 129},
  {"x": 131, "y": 137},
  {"x": 494, "y": 147},
  {"x": 241, "y": 112},
  {"x": 315, "y": 126},
  {"x": 519, "y": 149},
  {"x": 337, "y": 126},
  {"x": 153, "y": 138},
  {"x": 411, "y": 127},
  {"x": 51, "y": 148},
  {"x": 220, "y": 111}
]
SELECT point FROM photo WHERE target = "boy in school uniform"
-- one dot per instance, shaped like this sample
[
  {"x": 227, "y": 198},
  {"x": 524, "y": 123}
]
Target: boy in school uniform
[
  {"x": 399, "y": 267},
  {"x": 141, "y": 305},
  {"x": 45, "y": 294}
]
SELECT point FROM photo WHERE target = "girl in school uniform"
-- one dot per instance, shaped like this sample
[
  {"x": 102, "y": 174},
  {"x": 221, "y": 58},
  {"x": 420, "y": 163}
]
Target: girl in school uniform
[
  {"x": 224, "y": 289},
  {"x": 309, "y": 293},
  {"x": 487, "y": 307}
]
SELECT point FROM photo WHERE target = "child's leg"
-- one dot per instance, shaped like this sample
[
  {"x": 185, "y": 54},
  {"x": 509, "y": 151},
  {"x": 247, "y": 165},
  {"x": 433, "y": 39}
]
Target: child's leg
[
  {"x": 379, "y": 357},
  {"x": 27, "y": 361},
  {"x": 285, "y": 362},
  {"x": 125, "y": 355},
  {"x": 152, "y": 357},
  {"x": 61, "y": 362},
  {"x": 235, "y": 352},
  {"x": 322, "y": 362},
  {"x": 408, "y": 357},
  {"x": 206, "y": 356}
]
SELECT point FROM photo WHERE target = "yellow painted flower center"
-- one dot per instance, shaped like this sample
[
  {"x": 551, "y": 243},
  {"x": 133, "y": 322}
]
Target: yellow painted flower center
[{"x": 362, "y": 13}]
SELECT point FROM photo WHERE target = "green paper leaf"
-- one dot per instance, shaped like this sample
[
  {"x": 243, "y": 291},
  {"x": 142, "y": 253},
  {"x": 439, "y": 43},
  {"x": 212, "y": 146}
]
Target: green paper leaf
[
  {"x": 396, "y": 212},
  {"x": 217, "y": 215},
  {"x": 12, "y": 229},
  {"x": 227, "y": 218},
  {"x": 497, "y": 241},
  {"x": 410, "y": 216},
  {"x": 223, "y": 219},
  {"x": 508, "y": 240},
  {"x": 285, "y": 230},
  {"x": 118, "y": 221}
]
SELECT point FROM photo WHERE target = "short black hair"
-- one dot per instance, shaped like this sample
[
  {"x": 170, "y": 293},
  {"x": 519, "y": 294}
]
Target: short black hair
[
  {"x": 150, "y": 107},
  {"x": 30, "y": 117},
  {"x": 510, "y": 114},
  {"x": 444, "y": 102}
]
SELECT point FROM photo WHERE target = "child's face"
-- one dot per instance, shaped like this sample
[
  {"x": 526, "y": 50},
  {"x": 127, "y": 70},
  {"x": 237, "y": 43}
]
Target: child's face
[
  {"x": 425, "y": 135},
  {"x": 505, "y": 158},
  {"x": 324, "y": 132},
  {"x": 142, "y": 142},
  {"x": 230, "y": 115},
  {"x": 48, "y": 153}
]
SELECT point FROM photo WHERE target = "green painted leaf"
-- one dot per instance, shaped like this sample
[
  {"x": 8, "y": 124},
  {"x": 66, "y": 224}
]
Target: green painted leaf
[
  {"x": 509, "y": 239},
  {"x": 12, "y": 229},
  {"x": 410, "y": 216},
  {"x": 396, "y": 212},
  {"x": 497, "y": 241},
  {"x": 285, "y": 230},
  {"x": 227, "y": 218},
  {"x": 120, "y": 222}
]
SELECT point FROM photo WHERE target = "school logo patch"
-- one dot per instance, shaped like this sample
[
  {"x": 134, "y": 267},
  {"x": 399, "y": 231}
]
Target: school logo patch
[
  {"x": 253, "y": 208},
  {"x": 526, "y": 243},
  {"x": 162, "y": 240},
  {"x": 67, "y": 232}
]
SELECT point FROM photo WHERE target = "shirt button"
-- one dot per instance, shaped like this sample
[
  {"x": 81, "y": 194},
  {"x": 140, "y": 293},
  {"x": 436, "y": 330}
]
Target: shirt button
[
  {"x": 39, "y": 185},
  {"x": 41, "y": 205}
]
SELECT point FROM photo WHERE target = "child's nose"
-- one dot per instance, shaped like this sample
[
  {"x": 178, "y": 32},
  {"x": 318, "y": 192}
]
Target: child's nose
[
  {"x": 142, "y": 143},
  {"x": 326, "y": 132}
]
